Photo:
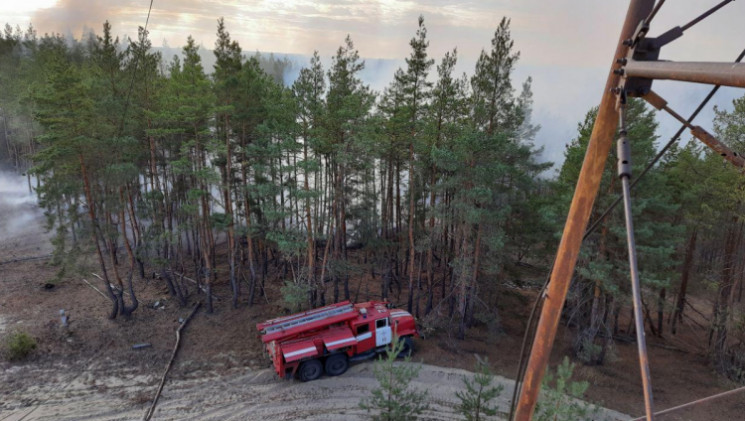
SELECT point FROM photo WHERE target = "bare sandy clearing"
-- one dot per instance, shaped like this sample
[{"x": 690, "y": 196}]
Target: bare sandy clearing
[{"x": 238, "y": 394}]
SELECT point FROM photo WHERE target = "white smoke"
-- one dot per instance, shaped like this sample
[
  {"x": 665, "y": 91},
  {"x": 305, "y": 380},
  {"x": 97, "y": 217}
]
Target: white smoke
[
  {"x": 19, "y": 209},
  {"x": 73, "y": 18}
]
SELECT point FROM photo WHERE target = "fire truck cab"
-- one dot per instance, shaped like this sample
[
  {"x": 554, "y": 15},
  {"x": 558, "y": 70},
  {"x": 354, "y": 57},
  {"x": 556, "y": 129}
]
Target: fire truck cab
[{"x": 328, "y": 338}]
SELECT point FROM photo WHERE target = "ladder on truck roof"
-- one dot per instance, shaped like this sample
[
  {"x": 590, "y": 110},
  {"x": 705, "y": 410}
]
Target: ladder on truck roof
[{"x": 289, "y": 322}]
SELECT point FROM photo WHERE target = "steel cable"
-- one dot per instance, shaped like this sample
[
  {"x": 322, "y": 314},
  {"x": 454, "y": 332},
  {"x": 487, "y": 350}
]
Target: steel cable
[
  {"x": 659, "y": 155},
  {"x": 527, "y": 344},
  {"x": 656, "y": 9},
  {"x": 134, "y": 73},
  {"x": 696, "y": 402}
]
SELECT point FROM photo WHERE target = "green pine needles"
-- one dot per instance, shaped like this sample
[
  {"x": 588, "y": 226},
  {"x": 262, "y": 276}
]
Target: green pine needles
[
  {"x": 394, "y": 399},
  {"x": 560, "y": 396},
  {"x": 476, "y": 401}
]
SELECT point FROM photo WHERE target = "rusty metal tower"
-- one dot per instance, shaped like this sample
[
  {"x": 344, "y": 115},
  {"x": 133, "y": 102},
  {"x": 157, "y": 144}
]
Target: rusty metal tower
[{"x": 634, "y": 67}]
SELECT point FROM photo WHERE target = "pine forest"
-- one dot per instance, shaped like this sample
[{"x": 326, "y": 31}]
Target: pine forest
[{"x": 430, "y": 194}]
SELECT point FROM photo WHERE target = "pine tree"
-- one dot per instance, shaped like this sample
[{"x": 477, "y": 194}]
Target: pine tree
[
  {"x": 491, "y": 166},
  {"x": 20, "y": 68},
  {"x": 226, "y": 76},
  {"x": 183, "y": 124},
  {"x": 67, "y": 113},
  {"x": 447, "y": 97},
  {"x": 347, "y": 105},
  {"x": 251, "y": 111},
  {"x": 559, "y": 400},
  {"x": 492, "y": 98},
  {"x": 416, "y": 92},
  {"x": 392, "y": 153},
  {"x": 726, "y": 334},
  {"x": 603, "y": 270},
  {"x": 309, "y": 90},
  {"x": 475, "y": 400},
  {"x": 394, "y": 400}
]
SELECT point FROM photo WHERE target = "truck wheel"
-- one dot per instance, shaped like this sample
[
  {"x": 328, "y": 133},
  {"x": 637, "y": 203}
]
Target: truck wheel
[
  {"x": 310, "y": 370},
  {"x": 337, "y": 364},
  {"x": 408, "y": 347}
]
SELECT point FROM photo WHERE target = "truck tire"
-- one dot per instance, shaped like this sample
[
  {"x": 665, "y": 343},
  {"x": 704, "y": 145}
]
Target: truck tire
[
  {"x": 310, "y": 370},
  {"x": 408, "y": 347},
  {"x": 336, "y": 364}
]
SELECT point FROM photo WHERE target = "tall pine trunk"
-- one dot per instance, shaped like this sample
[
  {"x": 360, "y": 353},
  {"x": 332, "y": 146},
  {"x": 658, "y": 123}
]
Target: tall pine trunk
[
  {"x": 724, "y": 292},
  {"x": 684, "y": 276},
  {"x": 412, "y": 251},
  {"x": 228, "y": 197},
  {"x": 311, "y": 253},
  {"x": 92, "y": 214}
]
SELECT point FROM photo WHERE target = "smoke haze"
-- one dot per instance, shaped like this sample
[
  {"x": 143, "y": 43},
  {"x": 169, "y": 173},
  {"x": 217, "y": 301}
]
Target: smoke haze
[
  {"x": 73, "y": 17},
  {"x": 565, "y": 45},
  {"x": 22, "y": 232}
]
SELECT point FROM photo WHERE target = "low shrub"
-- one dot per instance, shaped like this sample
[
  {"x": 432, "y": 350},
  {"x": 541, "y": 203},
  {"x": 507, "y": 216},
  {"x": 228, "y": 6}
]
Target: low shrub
[{"x": 18, "y": 346}]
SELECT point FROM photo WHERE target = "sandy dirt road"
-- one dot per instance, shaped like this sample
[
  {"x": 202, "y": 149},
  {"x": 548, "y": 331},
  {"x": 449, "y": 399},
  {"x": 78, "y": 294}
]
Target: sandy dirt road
[{"x": 238, "y": 394}]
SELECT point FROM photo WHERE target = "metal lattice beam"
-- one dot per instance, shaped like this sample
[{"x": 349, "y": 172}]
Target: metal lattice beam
[
  {"x": 639, "y": 67},
  {"x": 579, "y": 215},
  {"x": 724, "y": 74}
]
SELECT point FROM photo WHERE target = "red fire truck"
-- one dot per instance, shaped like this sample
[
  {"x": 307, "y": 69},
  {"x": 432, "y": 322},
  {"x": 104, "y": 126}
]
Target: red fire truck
[{"x": 328, "y": 338}]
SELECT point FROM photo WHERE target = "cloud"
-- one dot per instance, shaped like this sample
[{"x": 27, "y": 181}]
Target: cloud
[{"x": 561, "y": 32}]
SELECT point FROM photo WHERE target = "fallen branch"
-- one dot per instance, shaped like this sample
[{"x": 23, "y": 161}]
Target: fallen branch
[
  {"x": 23, "y": 259},
  {"x": 195, "y": 283},
  {"x": 695, "y": 322},
  {"x": 96, "y": 289},
  {"x": 151, "y": 410},
  {"x": 114, "y": 287},
  {"x": 668, "y": 347},
  {"x": 694, "y": 309}
]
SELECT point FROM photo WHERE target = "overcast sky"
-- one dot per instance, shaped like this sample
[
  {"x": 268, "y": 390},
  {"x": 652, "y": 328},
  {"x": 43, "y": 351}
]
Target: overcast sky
[{"x": 565, "y": 45}]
